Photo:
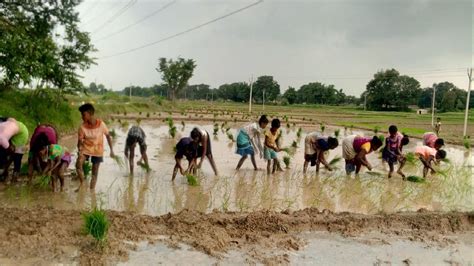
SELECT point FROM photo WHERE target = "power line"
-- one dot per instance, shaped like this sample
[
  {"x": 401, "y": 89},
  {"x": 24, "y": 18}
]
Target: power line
[
  {"x": 138, "y": 21},
  {"x": 185, "y": 31},
  {"x": 115, "y": 16}
]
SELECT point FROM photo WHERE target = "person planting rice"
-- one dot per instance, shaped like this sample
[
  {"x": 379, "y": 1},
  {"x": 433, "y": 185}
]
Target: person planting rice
[
  {"x": 248, "y": 141},
  {"x": 392, "y": 152},
  {"x": 42, "y": 135},
  {"x": 355, "y": 149},
  {"x": 90, "y": 143},
  {"x": 437, "y": 126},
  {"x": 271, "y": 146},
  {"x": 430, "y": 139},
  {"x": 13, "y": 138},
  {"x": 315, "y": 145},
  {"x": 202, "y": 143},
  {"x": 136, "y": 135},
  {"x": 58, "y": 160},
  {"x": 427, "y": 156},
  {"x": 185, "y": 148}
]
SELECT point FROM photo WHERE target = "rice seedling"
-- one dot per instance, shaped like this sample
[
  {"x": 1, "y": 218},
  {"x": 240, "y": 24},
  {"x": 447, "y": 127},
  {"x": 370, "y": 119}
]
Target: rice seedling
[
  {"x": 87, "y": 168},
  {"x": 43, "y": 181},
  {"x": 147, "y": 115},
  {"x": 125, "y": 113},
  {"x": 382, "y": 138},
  {"x": 304, "y": 118},
  {"x": 140, "y": 113},
  {"x": 288, "y": 125},
  {"x": 124, "y": 124},
  {"x": 467, "y": 143},
  {"x": 112, "y": 133},
  {"x": 230, "y": 136},
  {"x": 311, "y": 119},
  {"x": 416, "y": 179},
  {"x": 337, "y": 132},
  {"x": 294, "y": 144},
  {"x": 216, "y": 129},
  {"x": 138, "y": 121},
  {"x": 286, "y": 161},
  {"x": 172, "y": 131},
  {"x": 192, "y": 180},
  {"x": 96, "y": 224},
  {"x": 376, "y": 130},
  {"x": 299, "y": 132},
  {"x": 24, "y": 169},
  {"x": 322, "y": 127},
  {"x": 183, "y": 124}
]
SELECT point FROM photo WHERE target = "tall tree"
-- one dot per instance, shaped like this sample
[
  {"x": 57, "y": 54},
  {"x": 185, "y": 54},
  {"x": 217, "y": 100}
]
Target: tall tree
[
  {"x": 41, "y": 41},
  {"x": 268, "y": 85},
  {"x": 176, "y": 74},
  {"x": 388, "y": 90},
  {"x": 290, "y": 95}
]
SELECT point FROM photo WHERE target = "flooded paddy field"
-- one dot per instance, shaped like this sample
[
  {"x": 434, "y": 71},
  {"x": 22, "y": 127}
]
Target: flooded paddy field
[{"x": 151, "y": 197}]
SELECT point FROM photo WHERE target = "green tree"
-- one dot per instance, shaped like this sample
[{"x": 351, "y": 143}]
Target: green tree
[
  {"x": 388, "y": 90},
  {"x": 290, "y": 95},
  {"x": 237, "y": 92},
  {"x": 176, "y": 74},
  {"x": 268, "y": 85},
  {"x": 42, "y": 42}
]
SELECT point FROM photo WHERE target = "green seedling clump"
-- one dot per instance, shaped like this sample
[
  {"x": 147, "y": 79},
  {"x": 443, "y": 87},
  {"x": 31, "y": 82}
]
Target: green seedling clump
[
  {"x": 112, "y": 133},
  {"x": 230, "y": 136},
  {"x": 294, "y": 144},
  {"x": 145, "y": 166},
  {"x": 43, "y": 181},
  {"x": 87, "y": 168},
  {"x": 287, "y": 160},
  {"x": 96, "y": 224},
  {"x": 119, "y": 161},
  {"x": 334, "y": 161},
  {"x": 192, "y": 180},
  {"x": 298, "y": 133},
  {"x": 416, "y": 179}
]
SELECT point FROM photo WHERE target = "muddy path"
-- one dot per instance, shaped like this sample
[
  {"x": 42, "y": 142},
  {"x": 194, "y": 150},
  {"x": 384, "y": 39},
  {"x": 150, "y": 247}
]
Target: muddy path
[{"x": 49, "y": 235}]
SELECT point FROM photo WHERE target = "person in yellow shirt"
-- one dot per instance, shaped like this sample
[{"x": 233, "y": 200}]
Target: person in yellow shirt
[
  {"x": 354, "y": 151},
  {"x": 271, "y": 146}
]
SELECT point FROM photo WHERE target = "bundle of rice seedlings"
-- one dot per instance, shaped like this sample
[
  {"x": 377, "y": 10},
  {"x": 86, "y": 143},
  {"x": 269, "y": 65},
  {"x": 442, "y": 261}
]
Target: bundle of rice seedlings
[
  {"x": 410, "y": 158},
  {"x": 145, "y": 166},
  {"x": 334, "y": 161},
  {"x": 467, "y": 143},
  {"x": 381, "y": 137},
  {"x": 288, "y": 125},
  {"x": 96, "y": 224},
  {"x": 148, "y": 115},
  {"x": 337, "y": 132},
  {"x": 374, "y": 173},
  {"x": 124, "y": 124},
  {"x": 138, "y": 120},
  {"x": 24, "y": 169},
  {"x": 216, "y": 129},
  {"x": 87, "y": 168},
  {"x": 287, "y": 160},
  {"x": 376, "y": 130},
  {"x": 192, "y": 180},
  {"x": 119, "y": 161},
  {"x": 416, "y": 179},
  {"x": 43, "y": 181}
]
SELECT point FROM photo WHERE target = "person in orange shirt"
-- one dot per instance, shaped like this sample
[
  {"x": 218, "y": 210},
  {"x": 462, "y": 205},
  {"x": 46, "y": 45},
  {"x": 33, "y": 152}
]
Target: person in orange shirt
[{"x": 90, "y": 143}]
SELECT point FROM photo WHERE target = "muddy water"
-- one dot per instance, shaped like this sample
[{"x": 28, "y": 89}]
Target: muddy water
[{"x": 246, "y": 190}]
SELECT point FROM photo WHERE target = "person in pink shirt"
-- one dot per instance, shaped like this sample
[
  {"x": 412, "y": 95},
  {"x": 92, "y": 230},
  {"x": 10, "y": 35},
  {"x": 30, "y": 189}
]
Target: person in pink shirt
[
  {"x": 427, "y": 156},
  {"x": 430, "y": 139}
]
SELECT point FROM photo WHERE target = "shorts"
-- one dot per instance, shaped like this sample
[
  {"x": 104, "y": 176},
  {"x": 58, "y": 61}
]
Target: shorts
[
  {"x": 350, "y": 167},
  {"x": 94, "y": 159},
  {"x": 311, "y": 158},
  {"x": 67, "y": 158},
  {"x": 269, "y": 154}
]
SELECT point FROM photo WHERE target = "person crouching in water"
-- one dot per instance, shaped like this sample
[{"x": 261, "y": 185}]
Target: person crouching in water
[
  {"x": 202, "y": 144},
  {"x": 427, "y": 156},
  {"x": 315, "y": 145},
  {"x": 58, "y": 160},
  {"x": 355, "y": 149},
  {"x": 185, "y": 148},
  {"x": 392, "y": 152},
  {"x": 136, "y": 135},
  {"x": 248, "y": 141},
  {"x": 271, "y": 146}
]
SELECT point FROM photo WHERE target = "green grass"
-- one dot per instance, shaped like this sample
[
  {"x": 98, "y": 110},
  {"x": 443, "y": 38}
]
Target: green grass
[{"x": 96, "y": 224}]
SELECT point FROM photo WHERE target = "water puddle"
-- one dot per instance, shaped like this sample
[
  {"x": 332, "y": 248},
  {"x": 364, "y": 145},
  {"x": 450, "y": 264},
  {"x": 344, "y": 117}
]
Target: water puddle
[{"x": 247, "y": 190}]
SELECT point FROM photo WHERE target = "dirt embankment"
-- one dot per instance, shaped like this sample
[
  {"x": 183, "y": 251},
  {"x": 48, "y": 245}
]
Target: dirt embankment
[{"x": 44, "y": 233}]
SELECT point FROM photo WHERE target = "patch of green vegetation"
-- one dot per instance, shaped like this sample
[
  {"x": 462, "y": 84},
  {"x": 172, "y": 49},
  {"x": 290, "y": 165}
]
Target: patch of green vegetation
[
  {"x": 43, "y": 181},
  {"x": 286, "y": 161},
  {"x": 416, "y": 179},
  {"x": 192, "y": 180},
  {"x": 96, "y": 224}
]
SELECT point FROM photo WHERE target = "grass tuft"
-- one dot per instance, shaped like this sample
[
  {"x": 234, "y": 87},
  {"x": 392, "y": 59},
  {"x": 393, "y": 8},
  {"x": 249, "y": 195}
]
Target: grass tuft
[
  {"x": 192, "y": 180},
  {"x": 96, "y": 224}
]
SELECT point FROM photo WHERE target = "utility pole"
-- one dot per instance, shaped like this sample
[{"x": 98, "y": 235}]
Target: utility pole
[
  {"x": 263, "y": 100},
  {"x": 433, "y": 106},
  {"x": 365, "y": 101},
  {"x": 130, "y": 92},
  {"x": 250, "y": 100},
  {"x": 469, "y": 75}
]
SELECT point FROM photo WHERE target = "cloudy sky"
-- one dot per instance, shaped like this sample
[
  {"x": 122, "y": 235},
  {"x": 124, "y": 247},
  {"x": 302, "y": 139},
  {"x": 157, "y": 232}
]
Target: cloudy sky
[{"x": 340, "y": 42}]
